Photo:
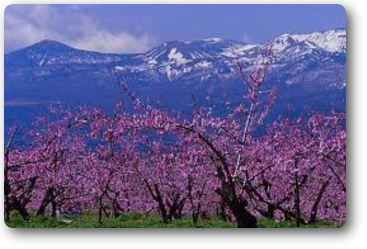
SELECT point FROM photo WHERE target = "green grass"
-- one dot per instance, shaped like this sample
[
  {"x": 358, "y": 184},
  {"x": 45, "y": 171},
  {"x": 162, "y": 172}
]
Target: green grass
[
  {"x": 268, "y": 223},
  {"x": 133, "y": 220}
]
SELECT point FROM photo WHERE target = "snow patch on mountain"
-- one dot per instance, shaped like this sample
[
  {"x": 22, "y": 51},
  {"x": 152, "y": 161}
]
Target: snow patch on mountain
[
  {"x": 152, "y": 62},
  {"x": 238, "y": 51},
  {"x": 330, "y": 41},
  {"x": 119, "y": 68},
  {"x": 177, "y": 56},
  {"x": 204, "y": 63},
  {"x": 213, "y": 39}
]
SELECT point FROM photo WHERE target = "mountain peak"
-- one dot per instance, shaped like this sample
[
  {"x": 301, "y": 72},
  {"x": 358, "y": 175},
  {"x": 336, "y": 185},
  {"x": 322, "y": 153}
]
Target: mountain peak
[
  {"x": 333, "y": 40},
  {"x": 175, "y": 51},
  {"x": 213, "y": 39},
  {"x": 49, "y": 45}
]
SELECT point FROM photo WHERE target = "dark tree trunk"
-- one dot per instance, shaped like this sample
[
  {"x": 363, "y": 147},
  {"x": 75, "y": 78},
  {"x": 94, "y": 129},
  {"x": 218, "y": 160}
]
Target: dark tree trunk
[
  {"x": 100, "y": 212},
  {"x": 161, "y": 206},
  {"x": 297, "y": 202},
  {"x": 156, "y": 195},
  {"x": 222, "y": 211},
  {"x": 46, "y": 200},
  {"x": 53, "y": 209},
  {"x": 244, "y": 219},
  {"x": 317, "y": 202},
  {"x": 7, "y": 207},
  {"x": 21, "y": 209},
  {"x": 237, "y": 205}
]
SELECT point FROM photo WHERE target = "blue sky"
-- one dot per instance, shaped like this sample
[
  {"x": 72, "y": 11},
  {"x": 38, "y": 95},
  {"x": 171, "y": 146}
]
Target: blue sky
[{"x": 137, "y": 28}]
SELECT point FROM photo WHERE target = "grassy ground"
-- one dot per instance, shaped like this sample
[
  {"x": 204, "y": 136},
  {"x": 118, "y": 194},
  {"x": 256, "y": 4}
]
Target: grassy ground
[{"x": 139, "y": 221}]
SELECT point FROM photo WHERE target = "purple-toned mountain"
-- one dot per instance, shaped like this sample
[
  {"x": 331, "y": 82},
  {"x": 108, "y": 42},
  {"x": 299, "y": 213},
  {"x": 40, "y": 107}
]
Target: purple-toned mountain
[{"x": 307, "y": 66}]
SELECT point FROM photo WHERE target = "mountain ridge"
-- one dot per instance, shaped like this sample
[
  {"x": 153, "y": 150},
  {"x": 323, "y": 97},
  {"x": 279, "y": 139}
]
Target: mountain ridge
[
  {"x": 210, "y": 39},
  {"x": 310, "y": 64}
]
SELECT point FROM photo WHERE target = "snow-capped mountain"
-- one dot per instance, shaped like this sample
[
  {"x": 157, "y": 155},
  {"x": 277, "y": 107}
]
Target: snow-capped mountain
[
  {"x": 329, "y": 41},
  {"x": 313, "y": 63},
  {"x": 219, "y": 57}
]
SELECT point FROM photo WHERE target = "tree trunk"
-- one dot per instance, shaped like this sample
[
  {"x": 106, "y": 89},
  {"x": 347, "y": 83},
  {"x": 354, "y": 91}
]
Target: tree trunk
[
  {"x": 297, "y": 202},
  {"x": 21, "y": 209},
  {"x": 46, "y": 200},
  {"x": 222, "y": 211},
  {"x": 244, "y": 219},
  {"x": 237, "y": 205},
  {"x": 100, "y": 210},
  {"x": 7, "y": 201},
  {"x": 317, "y": 202}
]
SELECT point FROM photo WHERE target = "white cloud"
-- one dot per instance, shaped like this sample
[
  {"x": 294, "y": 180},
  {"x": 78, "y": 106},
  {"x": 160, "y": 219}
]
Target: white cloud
[
  {"x": 113, "y": 42},
  {"x": 27, "y": 24}
]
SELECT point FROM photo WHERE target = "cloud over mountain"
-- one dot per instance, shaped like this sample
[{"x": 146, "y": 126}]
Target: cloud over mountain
[{"x": 27, "y": 24}]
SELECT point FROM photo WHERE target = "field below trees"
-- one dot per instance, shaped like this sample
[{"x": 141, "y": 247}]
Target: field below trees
[{"x": 134, "y": 220}]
